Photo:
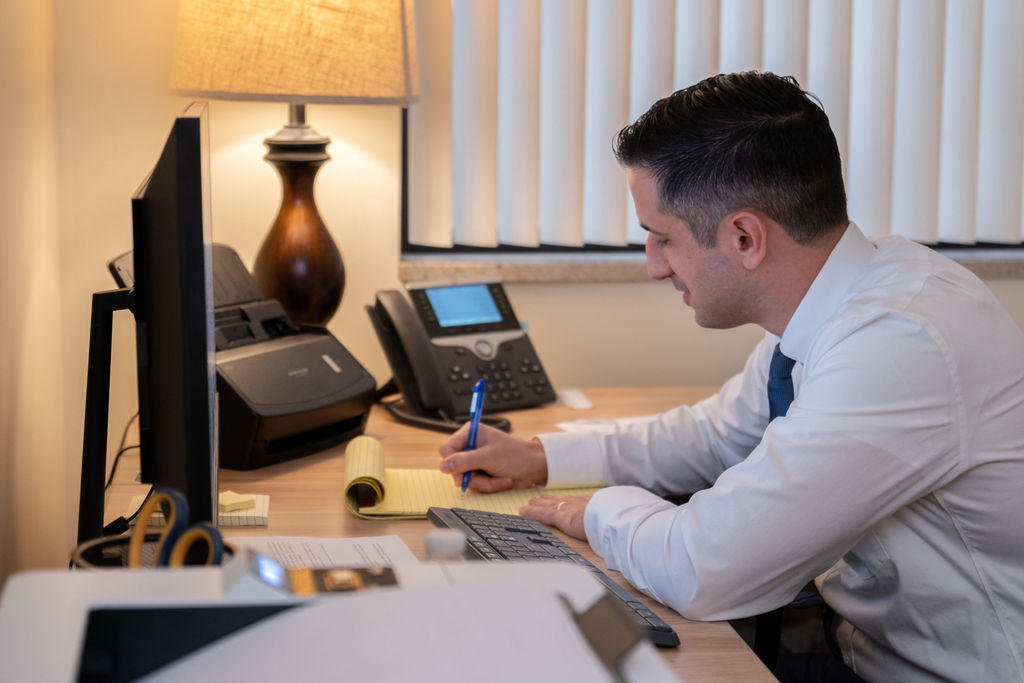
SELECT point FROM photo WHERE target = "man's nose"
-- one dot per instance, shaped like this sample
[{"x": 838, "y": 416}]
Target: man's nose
[{"x": 657, "y": 266}]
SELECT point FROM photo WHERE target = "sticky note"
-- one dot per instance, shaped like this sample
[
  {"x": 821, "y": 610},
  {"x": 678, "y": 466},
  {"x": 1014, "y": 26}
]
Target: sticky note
[{"x": 229, "y": 501}]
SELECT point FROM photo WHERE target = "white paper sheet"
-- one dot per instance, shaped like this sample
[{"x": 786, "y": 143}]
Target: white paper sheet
[{"x": 298, "y": 551}]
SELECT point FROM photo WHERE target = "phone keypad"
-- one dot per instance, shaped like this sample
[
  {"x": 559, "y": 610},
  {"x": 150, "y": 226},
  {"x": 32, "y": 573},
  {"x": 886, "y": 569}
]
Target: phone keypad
[{"x": 515, "y": 379}]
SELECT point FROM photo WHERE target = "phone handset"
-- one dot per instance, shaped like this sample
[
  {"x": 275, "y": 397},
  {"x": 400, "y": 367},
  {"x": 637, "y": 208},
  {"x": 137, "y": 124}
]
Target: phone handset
[{"x": 417, "y": 373}]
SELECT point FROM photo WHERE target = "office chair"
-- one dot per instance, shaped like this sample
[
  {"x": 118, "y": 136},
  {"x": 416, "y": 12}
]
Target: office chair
[{"x": 768, "y": 627}]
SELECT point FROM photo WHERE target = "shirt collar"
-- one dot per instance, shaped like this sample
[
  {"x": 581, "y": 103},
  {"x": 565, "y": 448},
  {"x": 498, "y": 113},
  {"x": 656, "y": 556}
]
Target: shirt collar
[{"x": 842, "y": 268}]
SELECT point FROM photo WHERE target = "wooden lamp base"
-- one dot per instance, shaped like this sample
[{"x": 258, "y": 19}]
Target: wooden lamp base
[{"x": 298, "y": 263}]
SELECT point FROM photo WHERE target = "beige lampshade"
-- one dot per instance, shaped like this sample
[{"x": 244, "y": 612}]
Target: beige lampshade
[{"x": 299, "y": 51}]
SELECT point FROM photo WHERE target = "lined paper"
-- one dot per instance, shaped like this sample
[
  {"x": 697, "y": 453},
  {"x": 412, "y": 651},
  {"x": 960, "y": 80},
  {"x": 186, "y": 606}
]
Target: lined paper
[
  {"x": 407, "y": 493},
  {"x": 255, "y": 516},
  {"x": 411, "y": 492}
]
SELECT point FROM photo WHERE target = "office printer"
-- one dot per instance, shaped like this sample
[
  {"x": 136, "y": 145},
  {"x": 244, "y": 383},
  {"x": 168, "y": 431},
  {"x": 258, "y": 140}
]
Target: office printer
[{"x": 284, "y": 390}]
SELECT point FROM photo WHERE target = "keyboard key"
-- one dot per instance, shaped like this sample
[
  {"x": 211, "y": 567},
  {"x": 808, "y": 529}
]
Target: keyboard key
[
  {"x": 659, "y": 625},
  {"x": 639, "y": 618}
]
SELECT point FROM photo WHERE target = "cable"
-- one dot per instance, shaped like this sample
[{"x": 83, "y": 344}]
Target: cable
[
  {"x": 121, "y": 448},
  {"x": 117, "y": 459},
  {"x": 122, "y": 523},
  {"x": 442, "y": 423},
  {"x": 141, "y": 505}
]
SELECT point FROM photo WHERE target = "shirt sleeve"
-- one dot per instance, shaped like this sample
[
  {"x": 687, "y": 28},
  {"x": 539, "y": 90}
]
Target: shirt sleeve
[
  {"x": 679, "y": 451},
  {"x": 872, "y": 428}
]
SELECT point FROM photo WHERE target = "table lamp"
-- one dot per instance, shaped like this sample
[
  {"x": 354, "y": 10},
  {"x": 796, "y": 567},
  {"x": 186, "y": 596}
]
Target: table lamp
[{"x": 298, "y": 52}]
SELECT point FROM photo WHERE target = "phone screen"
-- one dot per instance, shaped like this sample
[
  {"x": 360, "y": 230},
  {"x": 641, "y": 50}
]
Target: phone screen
[{"x": 463, "y": 305}]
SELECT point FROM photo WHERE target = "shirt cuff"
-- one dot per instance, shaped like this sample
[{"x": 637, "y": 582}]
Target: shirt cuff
[
  {"x": 574, "y": 459},
  {"x": 616, "y": 512}
]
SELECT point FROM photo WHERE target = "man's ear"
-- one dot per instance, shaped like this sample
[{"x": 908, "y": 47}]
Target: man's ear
[{"x": 747, "y": 232}]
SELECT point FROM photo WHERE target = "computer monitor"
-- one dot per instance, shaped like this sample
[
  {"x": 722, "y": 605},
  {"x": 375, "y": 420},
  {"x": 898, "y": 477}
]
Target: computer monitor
[
  {"x": 169, "y": 288},
  {"x": 173, "y": 306}
]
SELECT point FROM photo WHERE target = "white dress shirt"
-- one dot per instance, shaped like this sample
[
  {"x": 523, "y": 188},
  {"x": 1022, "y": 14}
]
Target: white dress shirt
[{"x": 895, "y": 481}]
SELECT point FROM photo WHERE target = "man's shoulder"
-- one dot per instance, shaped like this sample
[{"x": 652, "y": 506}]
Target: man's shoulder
[
  {"x": 902, "y": 268},
  {"x": 906, "y": 279},
  {"x": 910, "y": 290}
]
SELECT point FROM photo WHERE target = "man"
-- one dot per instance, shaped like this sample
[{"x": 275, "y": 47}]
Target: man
[{"x": 892, "y": 473}]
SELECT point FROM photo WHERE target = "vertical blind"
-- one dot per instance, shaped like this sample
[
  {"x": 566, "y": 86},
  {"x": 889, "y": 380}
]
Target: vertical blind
[{"x": 511, "y": 142}]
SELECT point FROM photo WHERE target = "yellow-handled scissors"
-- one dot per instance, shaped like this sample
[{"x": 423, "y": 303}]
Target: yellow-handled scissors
[{"x": 177, "y": 538}]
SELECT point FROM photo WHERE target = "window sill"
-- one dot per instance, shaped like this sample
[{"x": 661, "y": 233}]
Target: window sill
[
  {"x": 988, "y": 264},
  {"x": 557, "y": 267}
]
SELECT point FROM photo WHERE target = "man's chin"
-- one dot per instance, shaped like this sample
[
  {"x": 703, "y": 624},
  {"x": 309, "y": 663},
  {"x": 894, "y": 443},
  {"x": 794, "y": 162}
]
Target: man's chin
[{"x": 714, "y": 322}]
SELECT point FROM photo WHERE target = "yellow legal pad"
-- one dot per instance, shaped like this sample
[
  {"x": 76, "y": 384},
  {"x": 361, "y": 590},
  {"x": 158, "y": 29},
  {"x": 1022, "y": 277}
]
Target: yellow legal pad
[{"x": 375, "y": 492}]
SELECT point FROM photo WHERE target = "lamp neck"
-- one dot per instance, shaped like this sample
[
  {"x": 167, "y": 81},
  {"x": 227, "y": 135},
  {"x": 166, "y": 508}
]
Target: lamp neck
[{"x": 297, "y": 139}]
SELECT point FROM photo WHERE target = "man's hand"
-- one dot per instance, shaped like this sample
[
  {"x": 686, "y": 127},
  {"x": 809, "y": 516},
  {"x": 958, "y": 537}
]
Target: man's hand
[
  {"x": 499, "y": 461},
  {"x": 564, "y": 512}
]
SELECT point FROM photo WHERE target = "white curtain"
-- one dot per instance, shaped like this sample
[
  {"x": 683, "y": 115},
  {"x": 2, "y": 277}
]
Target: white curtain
[{"x": 511, "y": 142}]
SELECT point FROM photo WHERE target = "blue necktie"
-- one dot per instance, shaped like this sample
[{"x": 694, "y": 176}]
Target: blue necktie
[{"x": 780, "y": 384}]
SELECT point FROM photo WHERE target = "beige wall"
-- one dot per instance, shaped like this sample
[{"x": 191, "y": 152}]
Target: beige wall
[
  {"x": 112, "y": 107},
  {"x": 32, "y": 460},
  {"x": 68, "y": 212}
]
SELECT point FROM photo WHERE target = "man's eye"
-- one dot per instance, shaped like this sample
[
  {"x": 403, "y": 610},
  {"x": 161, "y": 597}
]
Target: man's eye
[{"x": 662, "y": 241}]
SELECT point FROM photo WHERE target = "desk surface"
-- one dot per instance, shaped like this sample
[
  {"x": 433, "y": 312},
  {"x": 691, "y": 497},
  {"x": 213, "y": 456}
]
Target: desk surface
[{"x": 306, "y": 500}]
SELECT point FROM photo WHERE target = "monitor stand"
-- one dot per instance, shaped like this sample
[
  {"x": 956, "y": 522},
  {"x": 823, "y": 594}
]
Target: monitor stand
[{"x": 97, "y": 410}]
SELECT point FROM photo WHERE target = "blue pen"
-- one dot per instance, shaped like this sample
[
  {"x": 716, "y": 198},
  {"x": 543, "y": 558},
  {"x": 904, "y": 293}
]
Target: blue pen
[{"x": 476, "y": 409}]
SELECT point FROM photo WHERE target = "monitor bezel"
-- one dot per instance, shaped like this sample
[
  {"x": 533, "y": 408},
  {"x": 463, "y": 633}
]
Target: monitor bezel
[{"x": 173, "y": 306}]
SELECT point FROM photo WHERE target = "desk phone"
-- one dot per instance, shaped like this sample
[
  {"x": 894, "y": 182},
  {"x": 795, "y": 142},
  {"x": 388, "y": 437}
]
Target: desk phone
[{"x": 440, "y": 339}]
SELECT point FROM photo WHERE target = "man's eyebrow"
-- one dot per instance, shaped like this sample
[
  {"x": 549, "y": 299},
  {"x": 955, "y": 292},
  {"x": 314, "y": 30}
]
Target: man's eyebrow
[{"x": 651, "y": 230}]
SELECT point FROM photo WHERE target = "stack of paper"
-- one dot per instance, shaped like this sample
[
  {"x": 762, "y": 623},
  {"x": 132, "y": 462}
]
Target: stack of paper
[{"x": 254, "y": 516}]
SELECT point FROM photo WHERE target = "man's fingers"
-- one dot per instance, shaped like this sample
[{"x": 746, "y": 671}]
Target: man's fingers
[
  {"x": 563, "y": 512},
  {"x": 541, "y": 508},
  {"x": 545, "y": 503},
  {"x": 475, "y": 462},
  {"x": 457, "y": 464},
  {"x": 481, "y": 482},
  {"x": 456, "y": 442},
  {"x": 460, "y": 462},
  {"x": 544, "y": 515},
  {"x": 486, "y": 484},
  {"x": 465, "y": 461}
]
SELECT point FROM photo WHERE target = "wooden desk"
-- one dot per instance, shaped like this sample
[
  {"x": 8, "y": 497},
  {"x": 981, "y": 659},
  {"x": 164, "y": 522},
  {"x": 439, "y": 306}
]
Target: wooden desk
[{"x": 306, "y": 500}]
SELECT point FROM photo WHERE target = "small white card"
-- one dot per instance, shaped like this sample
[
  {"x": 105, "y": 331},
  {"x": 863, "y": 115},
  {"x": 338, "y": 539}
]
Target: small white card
[{"x": 575, "y": 399}]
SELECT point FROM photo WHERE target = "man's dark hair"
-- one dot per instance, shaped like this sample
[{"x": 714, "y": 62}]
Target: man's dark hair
[{"x": 741, "y": 141}]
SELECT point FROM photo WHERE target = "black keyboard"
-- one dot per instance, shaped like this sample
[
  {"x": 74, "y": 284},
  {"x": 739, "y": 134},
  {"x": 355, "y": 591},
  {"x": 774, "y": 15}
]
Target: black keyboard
[{"x": 494, "y": 536}]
